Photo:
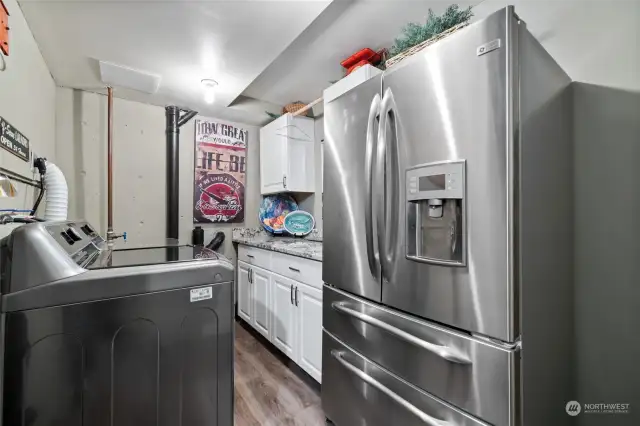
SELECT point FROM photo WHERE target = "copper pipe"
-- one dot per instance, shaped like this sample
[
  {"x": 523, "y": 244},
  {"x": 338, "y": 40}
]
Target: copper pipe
[{"x": 109, "y": 161}]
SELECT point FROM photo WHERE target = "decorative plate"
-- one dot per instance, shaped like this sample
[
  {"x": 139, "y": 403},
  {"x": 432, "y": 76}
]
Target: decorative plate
[
  {"x": 299, "y": 223},
  {"x": 274, "y": 209}
]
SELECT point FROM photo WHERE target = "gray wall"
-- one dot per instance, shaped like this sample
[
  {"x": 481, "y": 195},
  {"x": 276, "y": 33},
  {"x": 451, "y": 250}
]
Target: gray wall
[
  {"x": 607, "y": 250},
  {"x": 139, "y": 168}
]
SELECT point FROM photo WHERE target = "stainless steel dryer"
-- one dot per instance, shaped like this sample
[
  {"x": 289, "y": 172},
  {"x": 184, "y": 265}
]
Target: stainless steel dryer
[{"x": 104, "y": 337}]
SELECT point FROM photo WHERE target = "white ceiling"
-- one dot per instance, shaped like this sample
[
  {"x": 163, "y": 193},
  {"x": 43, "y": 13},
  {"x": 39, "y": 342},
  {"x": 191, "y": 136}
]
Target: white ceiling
[
  {"x": 266, "y": 53},
  {"x": 309, "y": 65},
  {"x": 183, "y": 41}
]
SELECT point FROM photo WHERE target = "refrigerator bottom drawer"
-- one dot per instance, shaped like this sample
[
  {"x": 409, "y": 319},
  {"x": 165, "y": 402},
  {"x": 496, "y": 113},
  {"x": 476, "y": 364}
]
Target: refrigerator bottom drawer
[
  {"x": 478, "y": 377},
  {"x": 356, "y": 391}
]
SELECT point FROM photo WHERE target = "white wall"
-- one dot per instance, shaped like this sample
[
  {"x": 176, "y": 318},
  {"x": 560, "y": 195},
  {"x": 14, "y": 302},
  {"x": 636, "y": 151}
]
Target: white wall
[
  {"x": 139, "y": 163},
  {"x": 139, "y": 155},
  {"x": 252, "y": 186},
  {"x": 312, "y": 202},
  {"x": 27, "y": 101},
  {"x": 319, "y": 136},
  {"x": 594, "y": 41}
]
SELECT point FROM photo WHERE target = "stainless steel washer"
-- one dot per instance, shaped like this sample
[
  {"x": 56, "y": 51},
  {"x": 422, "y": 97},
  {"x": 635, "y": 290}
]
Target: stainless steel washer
[{"x": 97, "y": 337}]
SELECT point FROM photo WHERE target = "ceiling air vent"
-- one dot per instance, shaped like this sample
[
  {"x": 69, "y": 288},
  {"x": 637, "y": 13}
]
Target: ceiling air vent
[{"x": 121, "y": 76}]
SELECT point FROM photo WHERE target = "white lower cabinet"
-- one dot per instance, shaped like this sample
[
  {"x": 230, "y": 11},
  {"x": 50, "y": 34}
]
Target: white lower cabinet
[
  {"x": 309, "y": 320},
  {"x": 261, "y": 287},
  {"x": 285, "y": 311},
  {"x": 244, "y": 292},
  {"x": 284, "y": 315}
]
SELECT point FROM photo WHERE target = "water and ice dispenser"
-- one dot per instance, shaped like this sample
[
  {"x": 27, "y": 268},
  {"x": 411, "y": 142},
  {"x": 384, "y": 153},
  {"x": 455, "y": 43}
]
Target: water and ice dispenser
[{"x": 436, "y": 213}]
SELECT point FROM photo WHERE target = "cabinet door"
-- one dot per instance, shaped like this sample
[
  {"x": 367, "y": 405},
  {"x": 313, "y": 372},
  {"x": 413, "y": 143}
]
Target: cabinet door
[
  {"x": 261, "y": 287},
  {"x": 244, "y": 292},
  {"x": 309, "y": 319},
  {"x": 273, "y": 148},
  {"x": 284, "y": 315},
  {"x": 300, "y": 163}
]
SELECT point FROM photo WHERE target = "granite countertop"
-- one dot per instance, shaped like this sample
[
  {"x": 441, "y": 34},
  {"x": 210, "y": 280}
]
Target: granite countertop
[{"x": 309, "y": 247}]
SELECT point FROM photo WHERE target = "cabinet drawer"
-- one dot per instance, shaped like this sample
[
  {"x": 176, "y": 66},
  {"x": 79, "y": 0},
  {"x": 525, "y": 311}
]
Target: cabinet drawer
[
  {"x": 255, "y": 256},
  {"x": 300, "y": 269},
  {"x": 476, "y": 376},
  {"x": 356, "y": 391}
]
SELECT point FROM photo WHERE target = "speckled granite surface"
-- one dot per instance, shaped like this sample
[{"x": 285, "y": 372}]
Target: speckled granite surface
[
  {"x": 315, "y": 235},
  {"x": 309, "y": 247}
]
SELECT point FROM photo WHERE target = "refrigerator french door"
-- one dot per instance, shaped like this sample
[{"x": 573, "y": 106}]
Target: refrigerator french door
[
  {"x": 350, "y": 254},
  {"x": 446, "y": 135}
]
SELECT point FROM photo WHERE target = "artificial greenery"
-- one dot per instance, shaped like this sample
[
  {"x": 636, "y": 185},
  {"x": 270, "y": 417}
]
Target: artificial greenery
[{"x": 413, "y": 34}]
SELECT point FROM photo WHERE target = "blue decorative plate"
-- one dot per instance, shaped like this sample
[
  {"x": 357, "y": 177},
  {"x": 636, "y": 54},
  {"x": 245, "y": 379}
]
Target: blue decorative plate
[
  {"x": 274, "y": 209},
  {"x": 299, "y": 223}
]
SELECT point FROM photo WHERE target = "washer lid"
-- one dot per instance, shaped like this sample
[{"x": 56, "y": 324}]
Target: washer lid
[{"x": 150, "y": 256}]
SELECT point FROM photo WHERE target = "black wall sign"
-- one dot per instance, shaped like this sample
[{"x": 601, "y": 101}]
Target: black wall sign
[{"x": 13, "y": 141}]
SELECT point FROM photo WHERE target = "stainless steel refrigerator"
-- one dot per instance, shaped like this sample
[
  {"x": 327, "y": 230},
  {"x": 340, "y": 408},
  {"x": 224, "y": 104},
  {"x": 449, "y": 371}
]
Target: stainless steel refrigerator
[{"x": 448, "y": 237}]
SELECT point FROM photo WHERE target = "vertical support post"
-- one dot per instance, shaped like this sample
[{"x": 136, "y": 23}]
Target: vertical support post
[{"x": 172, "y": 114}]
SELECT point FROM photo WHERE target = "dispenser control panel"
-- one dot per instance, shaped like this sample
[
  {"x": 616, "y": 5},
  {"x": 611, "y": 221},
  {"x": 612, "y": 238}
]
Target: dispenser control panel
[{"x": 436, "y": 180}]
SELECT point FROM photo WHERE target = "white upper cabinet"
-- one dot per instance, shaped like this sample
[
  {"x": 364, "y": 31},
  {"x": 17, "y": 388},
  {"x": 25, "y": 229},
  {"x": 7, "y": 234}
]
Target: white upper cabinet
[{"x": 287, "y": 155}]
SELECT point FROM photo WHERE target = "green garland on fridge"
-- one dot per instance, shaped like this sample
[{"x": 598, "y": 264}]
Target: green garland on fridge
[{"x": 414, "y": 34}]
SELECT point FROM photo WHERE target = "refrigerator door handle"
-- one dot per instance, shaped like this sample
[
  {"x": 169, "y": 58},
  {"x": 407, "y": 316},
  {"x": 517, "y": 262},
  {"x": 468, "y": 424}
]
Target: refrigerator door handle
[
  {"x": 424, "y": 417},
  {"x": 388, "y": 174},
  {"x": 442, "y": 351},
  {"x": 373, "y": 255}
]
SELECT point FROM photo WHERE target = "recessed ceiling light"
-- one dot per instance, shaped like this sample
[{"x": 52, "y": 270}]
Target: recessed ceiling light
[{"x": 209, "y": 87}]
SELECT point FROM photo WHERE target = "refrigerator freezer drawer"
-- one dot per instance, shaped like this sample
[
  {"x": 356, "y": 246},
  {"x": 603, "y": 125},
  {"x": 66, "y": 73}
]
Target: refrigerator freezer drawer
[
  {"x": 362, "y": 393},
  {"x": 478, "y": 377}
]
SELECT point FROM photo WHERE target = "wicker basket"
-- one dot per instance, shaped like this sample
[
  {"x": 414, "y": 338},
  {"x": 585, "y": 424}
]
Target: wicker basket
[
  {"x": 293, "y": 107},
  {"x": 418, "y": 47}
]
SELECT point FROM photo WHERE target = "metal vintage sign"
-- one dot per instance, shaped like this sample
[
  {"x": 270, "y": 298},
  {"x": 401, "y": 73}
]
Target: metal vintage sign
[
  {"x": 13, "y": 141},
  {"x": 220, "y": 169}
]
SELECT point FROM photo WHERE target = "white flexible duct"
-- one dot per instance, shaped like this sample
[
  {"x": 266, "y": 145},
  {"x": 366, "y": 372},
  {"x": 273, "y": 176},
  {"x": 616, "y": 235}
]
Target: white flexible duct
[{"x": 57, "y": 195}]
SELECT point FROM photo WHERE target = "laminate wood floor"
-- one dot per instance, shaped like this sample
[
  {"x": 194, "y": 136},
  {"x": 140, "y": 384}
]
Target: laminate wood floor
[{"x": 267, "y": 392}]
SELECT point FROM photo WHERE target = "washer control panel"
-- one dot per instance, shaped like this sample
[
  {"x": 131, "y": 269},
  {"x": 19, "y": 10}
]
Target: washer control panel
[{"x": 79, "y": 239}]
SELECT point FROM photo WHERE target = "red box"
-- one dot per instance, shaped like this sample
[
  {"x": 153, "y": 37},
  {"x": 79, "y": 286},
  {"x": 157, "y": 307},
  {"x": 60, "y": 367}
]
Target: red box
[
  {"x": 4, "y": 29},
  {"x": 365, "y": 54}
]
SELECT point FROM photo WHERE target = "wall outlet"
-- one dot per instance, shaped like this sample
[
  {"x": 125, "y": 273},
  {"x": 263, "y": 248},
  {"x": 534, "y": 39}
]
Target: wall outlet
[{"x": 32, "y": 167}]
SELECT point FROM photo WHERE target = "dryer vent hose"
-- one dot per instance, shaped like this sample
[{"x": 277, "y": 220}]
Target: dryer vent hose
[{"x": 57, "y": 196}]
